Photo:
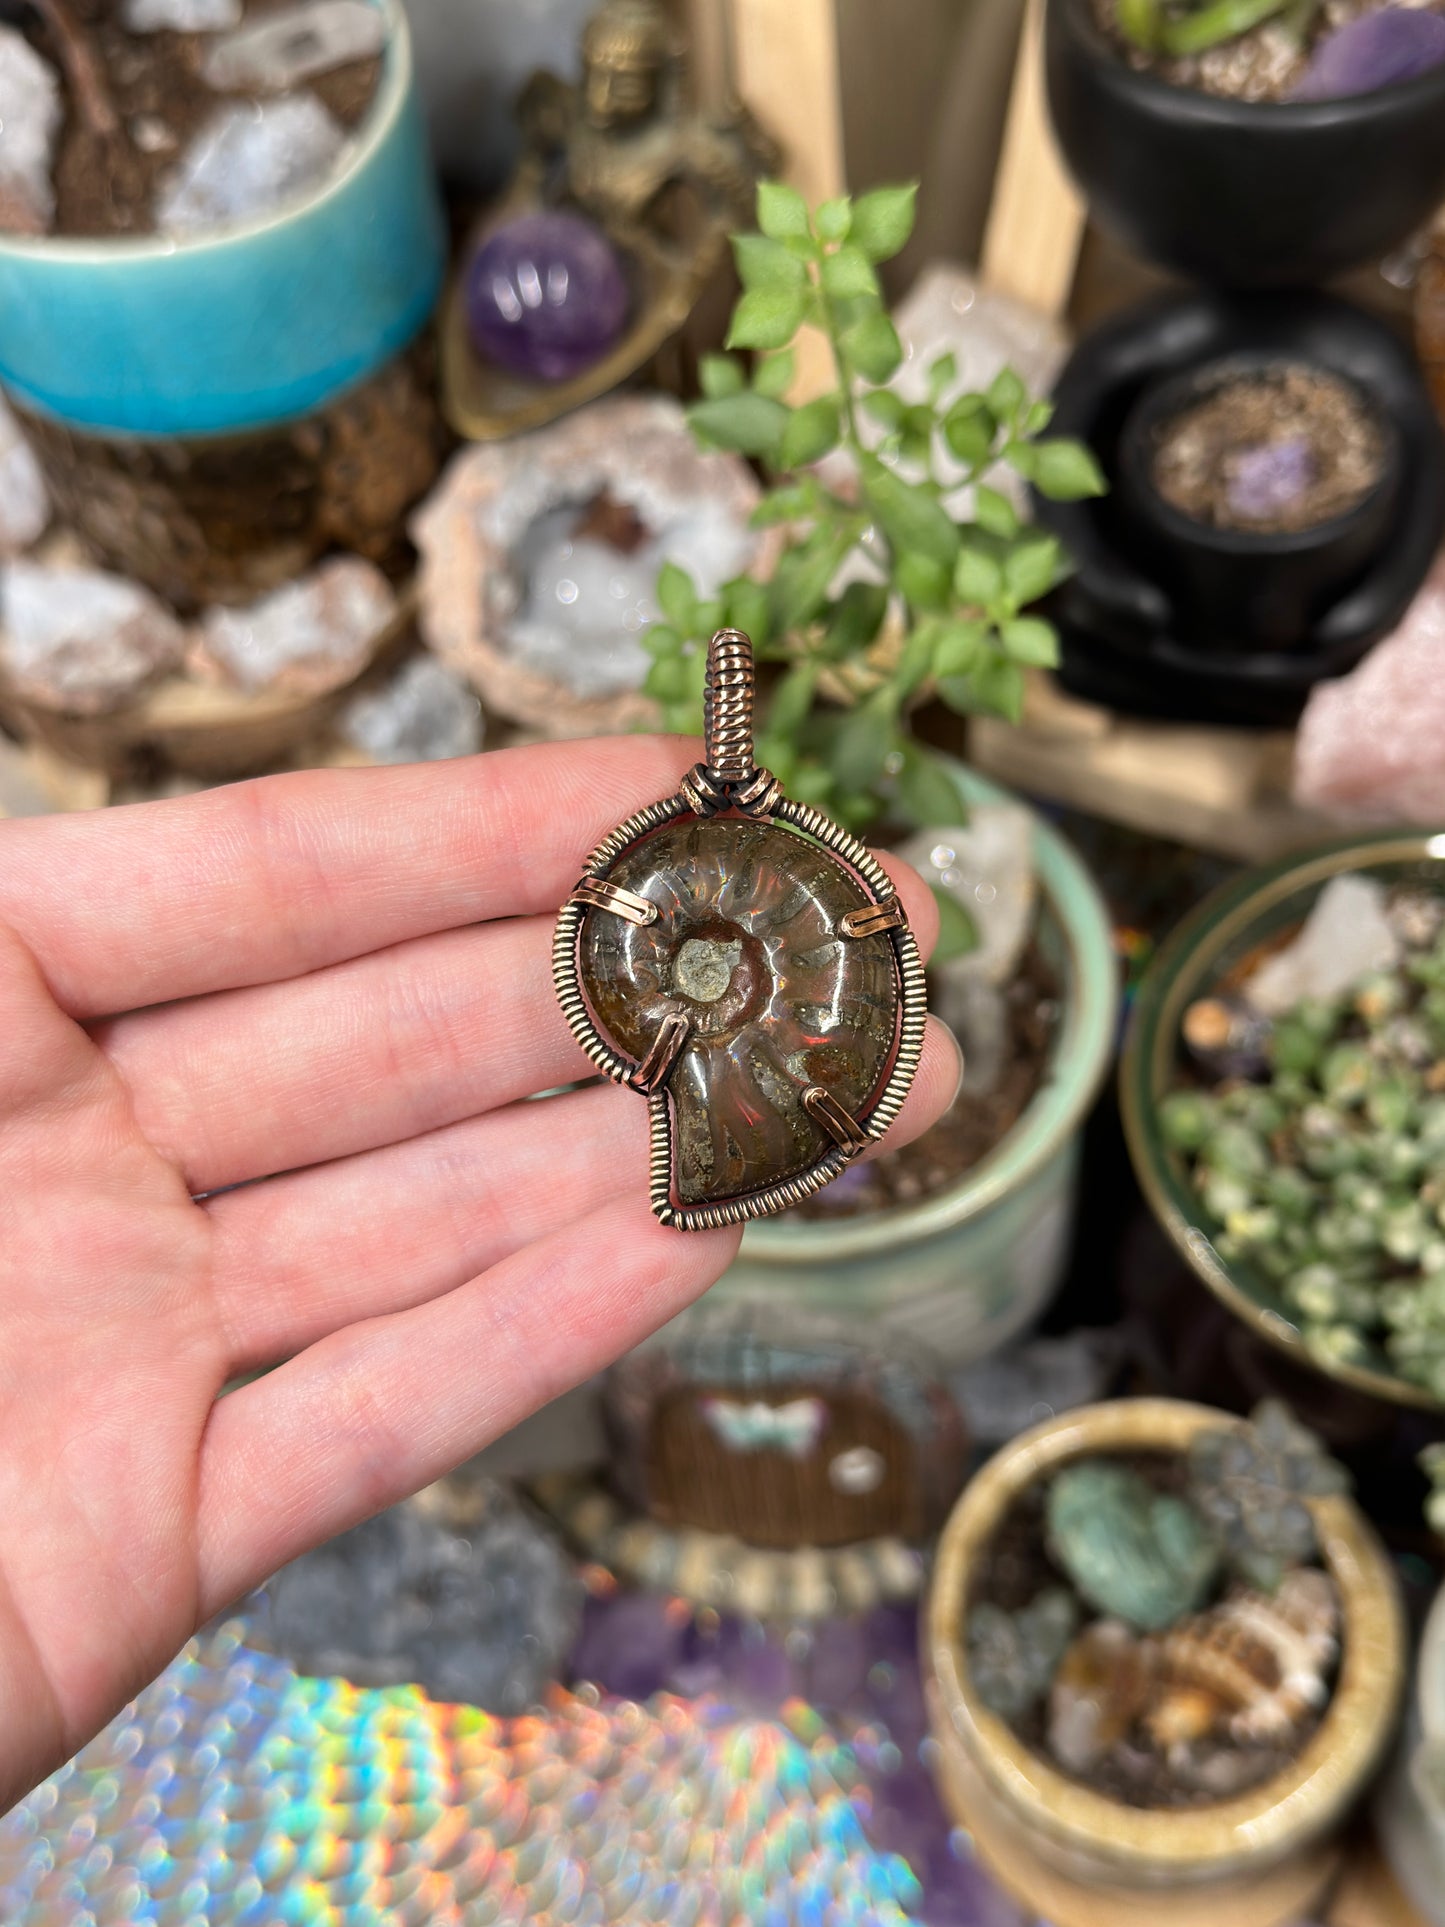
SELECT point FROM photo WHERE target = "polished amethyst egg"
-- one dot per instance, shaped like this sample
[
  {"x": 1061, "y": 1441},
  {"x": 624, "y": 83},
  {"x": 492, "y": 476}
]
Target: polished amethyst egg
[
  {"x": 545, "y": 296},
  {"x": 1373, "y": 50}
]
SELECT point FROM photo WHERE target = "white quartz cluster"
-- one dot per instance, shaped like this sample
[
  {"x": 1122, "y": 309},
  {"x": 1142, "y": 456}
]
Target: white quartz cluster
[{"x": 30, "y": 116}]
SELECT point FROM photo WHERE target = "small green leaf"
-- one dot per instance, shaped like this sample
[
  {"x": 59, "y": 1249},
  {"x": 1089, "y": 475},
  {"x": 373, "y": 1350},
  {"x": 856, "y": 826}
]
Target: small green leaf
[
  {"x": 871, "y": 346},
  {"x": 912, "y": 519},
  {"x": 782, "y": 211},
  {"x": 922, "y": 580},
  {"x": 774, "y": 375},
  {"x": 667, "y": 680},
  {"x": 1031, "y": 641},
  {"x": 941, "y": 375},
  {"x": 957, "y": 934},
  {"x": 1141, "y": 21},
  {"x": 721, "y": 375},
  {"x": 883, "y": 220},
  {"x": 977, "y": 578},
  {"x": 661, "y": 640},
  {"x": 766, "y": 264},
  {"x": 787, "y": 502},
  {"x": 915, "y": 662},
  {"x": 995, "y": 513},
  {"x": 792, "y": 699},
  {"x": 1040, "y": 414},
  {"x": 959, "y": 646},
  {"x": 678, "y": 597},
  {"x": 833, "y": 219},
  {"x": 927, "y": 791},
  {"x": 1065, "y": 471},
  {"x": 746, "y": 605},
  {"x": 810, "y": 434},
  {"x": 1032, "y": 568},
  {"x": 767, "y": 318},
  {"x": 709, "y": 617},
  {"x": 1006, "y": 394},
  {"x": 861, "y": 746},
  {"x": 799, "y": 584},
  {"x": 848, "y": 274},
  {"x": 969, "y": 429},
  {"x": 746, "y": 424},
  {"x": 855, "y": 619},
  {"x": 997, "y": 687},
  {"x": 884, "y": 406}
]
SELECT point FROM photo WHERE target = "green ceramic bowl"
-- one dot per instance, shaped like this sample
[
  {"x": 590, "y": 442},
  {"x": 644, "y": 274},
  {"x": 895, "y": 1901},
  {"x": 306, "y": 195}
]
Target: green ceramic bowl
[{"x": 1246, "y": 912}]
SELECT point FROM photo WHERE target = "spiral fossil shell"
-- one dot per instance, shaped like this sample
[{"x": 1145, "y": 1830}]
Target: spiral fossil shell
[{"x": 746, "y": 947}]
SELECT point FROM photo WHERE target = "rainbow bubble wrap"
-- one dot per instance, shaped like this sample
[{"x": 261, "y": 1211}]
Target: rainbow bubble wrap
[{"x": 235, "y": 1791}]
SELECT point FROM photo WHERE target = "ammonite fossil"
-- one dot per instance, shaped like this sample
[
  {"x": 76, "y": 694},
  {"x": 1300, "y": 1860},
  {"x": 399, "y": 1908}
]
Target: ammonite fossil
[{"x": 746, "y": 963}]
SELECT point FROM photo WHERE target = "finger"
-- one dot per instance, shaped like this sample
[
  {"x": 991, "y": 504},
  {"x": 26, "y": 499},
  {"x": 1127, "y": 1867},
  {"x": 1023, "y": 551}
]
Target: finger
[
  {"x": 247, "y": 1082},
  {"x": 300, "y": 1257},
  {"x": 382, "y": 1408},
  {"x": 264, "y": 880},
  {"x": 917, "y": 899}
]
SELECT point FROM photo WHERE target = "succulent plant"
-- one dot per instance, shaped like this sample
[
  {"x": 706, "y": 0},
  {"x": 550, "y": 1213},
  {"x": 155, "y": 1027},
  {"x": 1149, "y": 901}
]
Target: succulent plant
[
  {"x": 1327, "y": 1172},
  {"x": 1132, "y": 1551},
  {"x": 1251, "y": 1484},
  {"x": 1177, "y": 28},
  {"x": 1013, "y": 1656}
]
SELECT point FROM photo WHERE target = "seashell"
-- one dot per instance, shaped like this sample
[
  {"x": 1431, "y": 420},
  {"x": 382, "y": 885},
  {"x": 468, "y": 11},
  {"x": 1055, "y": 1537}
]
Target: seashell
[
  {"x": 1099, "y": 1690},
  {"x": 1135, "y": 1553},
  {"x": 1264, "y": 1658},
  {"x": 1181, "y": 1716}
]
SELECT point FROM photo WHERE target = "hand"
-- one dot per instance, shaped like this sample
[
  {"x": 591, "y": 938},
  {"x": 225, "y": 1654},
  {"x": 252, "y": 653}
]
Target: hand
[{"x": 342, "y": 977}]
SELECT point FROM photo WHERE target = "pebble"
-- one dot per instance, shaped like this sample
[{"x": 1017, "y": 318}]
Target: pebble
[
  {"x": 81, "y": 640},
  {"x": 313, "y": 635},
  {"x": 249, "y": 160},
  {"x": 181, "y": 16},
  {"x": 281, "y": 49},
  {"x": 424, "y": 714},
  {"x": 1346, "y": 936},
  {"x": 30, "y": 117}
]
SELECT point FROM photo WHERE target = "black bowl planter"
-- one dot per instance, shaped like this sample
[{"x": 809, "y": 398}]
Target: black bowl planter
[
  {"x": 1167, "y": 617},
  {"x": 1237, "y": 193}
]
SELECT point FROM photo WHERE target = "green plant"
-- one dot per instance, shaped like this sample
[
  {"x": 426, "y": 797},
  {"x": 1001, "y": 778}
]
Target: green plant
[
  {"x": 883, "y": 593},
  {"x": 1180, "y": 27}
]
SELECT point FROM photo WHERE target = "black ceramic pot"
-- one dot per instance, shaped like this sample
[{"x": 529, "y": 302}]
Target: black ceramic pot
[
  {"x": 1130, "y": 630},
  {"x": 1230, "y": 586},
  {"x": 1241, "y": 194}
]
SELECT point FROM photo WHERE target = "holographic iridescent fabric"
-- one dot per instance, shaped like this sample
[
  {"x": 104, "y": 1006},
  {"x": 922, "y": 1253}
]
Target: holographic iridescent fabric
[{"x": 235, "y": 1793}]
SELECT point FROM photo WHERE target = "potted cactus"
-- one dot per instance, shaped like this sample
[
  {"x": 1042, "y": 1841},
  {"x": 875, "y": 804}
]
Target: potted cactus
[
  {"x": 1164, "y": 1651},
  {"x": 907, "y": 577},
  {"x": 1252, "y": 142}
]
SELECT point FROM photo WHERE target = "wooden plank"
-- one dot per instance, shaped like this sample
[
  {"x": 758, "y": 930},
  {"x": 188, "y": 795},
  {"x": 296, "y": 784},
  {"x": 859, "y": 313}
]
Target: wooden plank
[
  {"x": 1225, "y": 790},
  {"x": 1036, "y": 224}
]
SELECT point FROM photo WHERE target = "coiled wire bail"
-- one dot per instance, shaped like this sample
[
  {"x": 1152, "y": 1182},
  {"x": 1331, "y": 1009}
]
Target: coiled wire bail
[{"x": 730, "y": 778}]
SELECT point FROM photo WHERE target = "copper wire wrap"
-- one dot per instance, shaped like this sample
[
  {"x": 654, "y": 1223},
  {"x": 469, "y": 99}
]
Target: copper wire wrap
[{"x": 730, "y": 778}]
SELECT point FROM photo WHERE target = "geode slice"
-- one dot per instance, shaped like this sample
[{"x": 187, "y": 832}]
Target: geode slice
[{"x": 747, "y": 948}]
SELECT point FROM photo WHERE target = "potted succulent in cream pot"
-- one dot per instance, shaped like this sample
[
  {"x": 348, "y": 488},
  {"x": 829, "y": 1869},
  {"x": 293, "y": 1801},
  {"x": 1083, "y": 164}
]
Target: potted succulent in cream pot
[{"x": 907, "y": 574}]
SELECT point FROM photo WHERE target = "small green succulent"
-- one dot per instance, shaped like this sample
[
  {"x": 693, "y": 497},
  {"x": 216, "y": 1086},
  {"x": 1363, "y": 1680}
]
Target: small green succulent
[
  {"x": 1251, "y": 1484},
  {"x": 885, "y": 591},
  {"x": 1177, "y": 28},
  {"x": 1013, "y": 1656}
]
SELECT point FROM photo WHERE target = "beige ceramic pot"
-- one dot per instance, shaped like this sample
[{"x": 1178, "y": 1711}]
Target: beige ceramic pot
[{"x": 1082, "y": 1859}]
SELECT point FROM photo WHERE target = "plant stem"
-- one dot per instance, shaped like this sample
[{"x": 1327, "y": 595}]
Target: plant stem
[
  {"x": 840, "y": 370},
  {"x": 82, "y": 68}
]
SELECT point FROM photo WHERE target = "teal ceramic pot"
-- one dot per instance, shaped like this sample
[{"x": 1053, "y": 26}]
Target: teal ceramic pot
[
  {"x": 1248, "y": 911},
  {"x": 248, "y": 327},
  {"x": 971, "y": 1268}
]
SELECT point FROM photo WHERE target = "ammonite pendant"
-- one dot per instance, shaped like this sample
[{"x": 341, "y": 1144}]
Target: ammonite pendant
[{"x": 746, "y": 963}]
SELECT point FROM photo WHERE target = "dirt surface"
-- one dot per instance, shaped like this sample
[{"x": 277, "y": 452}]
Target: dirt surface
[
  {"x": 106, "y": 185},
  {"x": 1281, "y": 450},
  {"x": 966, "y": 1134},
  {"x": 1263, "y": 64}
]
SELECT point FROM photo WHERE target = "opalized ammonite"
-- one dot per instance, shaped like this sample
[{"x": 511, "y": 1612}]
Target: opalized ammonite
[{"x": 746, "y": 963}]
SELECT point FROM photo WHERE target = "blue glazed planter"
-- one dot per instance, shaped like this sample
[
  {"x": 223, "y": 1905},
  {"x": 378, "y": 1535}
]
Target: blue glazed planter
[{"x": 249, "y": 327}]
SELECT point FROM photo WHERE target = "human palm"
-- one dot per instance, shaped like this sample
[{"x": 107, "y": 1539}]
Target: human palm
[{"x": 335, "y": 983}]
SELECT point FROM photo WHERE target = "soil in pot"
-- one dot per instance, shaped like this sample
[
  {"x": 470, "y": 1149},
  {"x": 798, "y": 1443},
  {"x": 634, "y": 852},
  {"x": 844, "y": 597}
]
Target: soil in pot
[
  {"x": 975, "y": 1124},
  {"x": 1310, "y": 1117},
  {"x": 184, "y": 131},
  {"x": 1327, "y": 50},
  {"x": 1159, "y": 1627},
  {"x": 1270, "y": 451}
]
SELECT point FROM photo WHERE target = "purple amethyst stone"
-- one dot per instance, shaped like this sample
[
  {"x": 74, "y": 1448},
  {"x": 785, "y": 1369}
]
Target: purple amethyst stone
[
  {"x": 545, "y": 296},
  {"x": 1371, "y": 51},
  {"x": 1271, "y": 478}
]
